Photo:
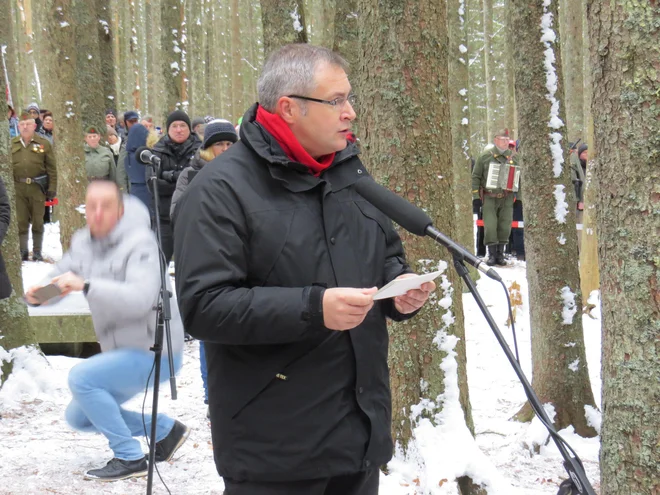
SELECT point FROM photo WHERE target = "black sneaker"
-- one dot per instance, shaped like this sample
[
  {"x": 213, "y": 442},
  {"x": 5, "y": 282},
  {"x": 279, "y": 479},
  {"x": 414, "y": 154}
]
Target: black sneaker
[
  {"x": 24, "y": 256},
  {"x": 36, "y": 255},
  {"x": 118, "y": 469},
  {"x": 187, "y": 337},
  {"x": 166, "y": 448}
]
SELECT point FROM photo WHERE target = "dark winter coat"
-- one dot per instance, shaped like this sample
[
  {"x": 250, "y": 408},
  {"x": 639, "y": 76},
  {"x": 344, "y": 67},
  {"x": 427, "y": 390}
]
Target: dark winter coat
[
  {"x": 174, "y": 158},
  {"x": 135, "y": 171},
  {"x": 257, "y": 237},
  {"x": 184, "y": 179},
  {"x": 5, "y": 213}
]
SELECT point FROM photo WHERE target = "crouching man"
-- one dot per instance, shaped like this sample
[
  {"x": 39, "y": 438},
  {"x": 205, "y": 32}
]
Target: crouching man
[{"x": 114, "y": 261}]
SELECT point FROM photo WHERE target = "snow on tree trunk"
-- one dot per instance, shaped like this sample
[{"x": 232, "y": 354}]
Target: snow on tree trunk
[
  {"x": 625, "y": 56},
  {"x": 559, "y": 366},
  {"x": 61, "y": 74},
  {"x": 489, "y": 69},
  {"x": 14, "y": 320},
  {"x": 106, "y": 37},
  {"x": 477, "y": 88},
  {"x": 283, "y": 23},
  {"x": 405, "y": 131},
  {"x": 171, "y": 55}
]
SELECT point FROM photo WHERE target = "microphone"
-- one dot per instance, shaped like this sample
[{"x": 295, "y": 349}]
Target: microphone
[
  {"x": 144, "y": 155},
  {"x": 415, "y": 221}
]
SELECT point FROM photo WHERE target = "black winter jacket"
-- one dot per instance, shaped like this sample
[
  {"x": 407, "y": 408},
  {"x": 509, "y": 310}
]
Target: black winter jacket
[
  {"x": 174, "y": 158},
  {"x": 256, "y": 238},
  {"x": 5, "y": 213}
]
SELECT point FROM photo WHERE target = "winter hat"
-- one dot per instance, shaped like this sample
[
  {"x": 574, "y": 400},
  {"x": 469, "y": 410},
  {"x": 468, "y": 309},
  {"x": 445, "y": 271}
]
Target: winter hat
[
  {"x": 208, "y": 119},
  {"x": 110, "y": 131},
  {"x": 177, "y": 115},
  {"x": 583, "y": 147},
  {"x": 32, "y": 106},
  {"x": 196, "y": 121},
  {"x": 110, "y": 111},
  {"x": 219, "y": 130},
  {"x": 131, "y": 115}
]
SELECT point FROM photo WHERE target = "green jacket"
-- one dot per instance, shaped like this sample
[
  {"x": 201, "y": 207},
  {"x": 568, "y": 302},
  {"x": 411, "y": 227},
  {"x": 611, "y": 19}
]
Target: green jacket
[
  {"x": 33, "y": 160},
  {"x": 122, "y": 177},
  {"x": 99, "y": 162},
  {"x": 480, "y": 170}
]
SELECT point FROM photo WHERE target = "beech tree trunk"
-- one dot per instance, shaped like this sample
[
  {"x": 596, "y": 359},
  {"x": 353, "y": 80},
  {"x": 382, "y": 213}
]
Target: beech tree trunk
[
  {"x": 559, "y": 366},
  {"x": 61, "y": 74},
  {"x": 625, "y": 56}
]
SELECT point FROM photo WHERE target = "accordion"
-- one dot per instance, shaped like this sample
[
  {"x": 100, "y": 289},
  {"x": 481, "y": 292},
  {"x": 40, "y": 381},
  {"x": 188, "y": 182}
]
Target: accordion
[{"x": 505, "y": 176}]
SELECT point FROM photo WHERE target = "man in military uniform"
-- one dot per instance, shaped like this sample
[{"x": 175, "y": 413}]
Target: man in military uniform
[
  {"x": 497, "y": 203},
  {"x": 35, "y": 177}
]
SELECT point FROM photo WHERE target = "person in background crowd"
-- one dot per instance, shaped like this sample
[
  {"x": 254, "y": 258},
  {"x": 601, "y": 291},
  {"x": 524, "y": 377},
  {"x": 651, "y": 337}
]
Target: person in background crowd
[
  {"x": 121, "y": 126},
  {"x": 5, "y": 215},
  {"x": 497, "y": 203},
  {"x": 277, "y": 262},
  {"x": 130, "y": 119},
  {"x": 136, "y": 172},
  {"x": 111, "y": 120},
  {"x": 99, "y": 162},
  {"x": 48, "y": 126},
  {"x": 197, "y": 125},
  {"x": 148, "y": 122},
  {"x": 34, "y": 113},
  {"x": 175, "y": 151},
  {"x": 114, "y": 261},
  {"x": 113, "y": 142},
  {"x": 35, "y": 178},
  {"x": 219, "y": 135},
  {"x": 13, "y": 121}
]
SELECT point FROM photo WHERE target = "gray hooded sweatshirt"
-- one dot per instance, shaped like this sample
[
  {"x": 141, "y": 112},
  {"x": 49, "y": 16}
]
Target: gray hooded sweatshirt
[{"x": 123, "y": 271}]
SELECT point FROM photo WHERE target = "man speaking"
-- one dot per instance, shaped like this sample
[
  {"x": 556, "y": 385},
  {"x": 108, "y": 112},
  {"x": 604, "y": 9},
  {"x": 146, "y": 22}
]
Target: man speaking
[{"x": 278, "y": 259}]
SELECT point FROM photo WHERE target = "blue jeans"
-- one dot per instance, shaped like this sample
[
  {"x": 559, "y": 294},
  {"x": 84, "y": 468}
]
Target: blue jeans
[
  {"x": 101, "y": 383},
  {"x": 204, "y": 370}
]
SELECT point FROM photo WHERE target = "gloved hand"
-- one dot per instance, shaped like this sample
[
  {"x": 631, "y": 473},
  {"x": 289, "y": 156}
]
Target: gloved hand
[
  {"x": 50, "y": 195},
  {"x": 476, "y": 206}
]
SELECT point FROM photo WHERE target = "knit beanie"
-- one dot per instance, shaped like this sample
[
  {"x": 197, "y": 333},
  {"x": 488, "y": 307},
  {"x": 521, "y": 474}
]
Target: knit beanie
[
  {"x": 196, "y": 121},
  {"x": 177, "y": 115},
  {"x": 32, "y": 106},
  {"x": 583, "y": 147},
  {"x": 219, "y": 130},
  {"x": 110, "y": 131}
]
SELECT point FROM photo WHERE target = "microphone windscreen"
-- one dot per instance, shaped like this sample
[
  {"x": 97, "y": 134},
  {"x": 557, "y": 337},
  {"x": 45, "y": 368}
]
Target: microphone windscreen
[{"x": 393, "y": 206}]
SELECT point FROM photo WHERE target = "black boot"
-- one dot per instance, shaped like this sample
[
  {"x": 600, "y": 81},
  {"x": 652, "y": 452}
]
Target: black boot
[
  {"x": 36, "y": 255},
  {"x": 118, "y": 469},
  {"x": 492, "y": 255},
  {"x": 166, "y": 448},
  {"x": 499, "y": 255},
  {"x": 24, "y": 255}
]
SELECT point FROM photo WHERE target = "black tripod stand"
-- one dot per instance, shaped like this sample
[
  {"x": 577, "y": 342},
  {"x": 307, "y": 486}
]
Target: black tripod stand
[{"x": 164, "y": 313}]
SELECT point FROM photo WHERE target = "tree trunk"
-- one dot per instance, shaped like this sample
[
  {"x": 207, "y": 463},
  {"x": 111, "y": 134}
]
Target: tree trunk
[
  {"x": 61, "y": 75},
  {"x": 404, "y": 144},
  {"x": 489, "y": 69},
  {"x": 238, "y": 107},
  {"x": 625, "y": 57},
  {"x": 14, "y": 320},
  {"x": 559, "y": 366},
  {"x": 572, "y": 57},
  {"x": 283, "y": 23},
  {"x": 172, "y": 64},
  {"x": 477, "y": 88},
  {"x": 346, "y": 41},
  {"x": 90, "y": 78},
  {"x": 106, "y": 35},
  {"x": 510, "y": 119},
  {"x": 460, "y": 118}
]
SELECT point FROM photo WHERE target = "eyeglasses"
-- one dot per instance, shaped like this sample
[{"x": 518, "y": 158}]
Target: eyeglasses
[{"x": 337, "y": 103}]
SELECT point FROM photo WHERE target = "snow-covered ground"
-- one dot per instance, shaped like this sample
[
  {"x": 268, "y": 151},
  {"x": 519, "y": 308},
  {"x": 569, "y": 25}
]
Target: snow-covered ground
[{"x": 40, "y": 454}]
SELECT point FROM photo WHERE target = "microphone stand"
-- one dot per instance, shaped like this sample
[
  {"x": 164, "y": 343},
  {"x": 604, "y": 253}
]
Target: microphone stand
[
  {"x": 578, "y": 483},
  {"x": 164, "y": 316}
]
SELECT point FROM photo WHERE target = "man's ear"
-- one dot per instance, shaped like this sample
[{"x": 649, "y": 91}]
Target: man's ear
[{"x": 287, "y": 109}]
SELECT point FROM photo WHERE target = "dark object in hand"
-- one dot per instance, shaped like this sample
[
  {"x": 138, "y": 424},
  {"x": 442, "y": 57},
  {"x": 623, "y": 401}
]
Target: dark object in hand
[
  {"x": 168, "y": 176},
  {"x": 476, "y": 206}
]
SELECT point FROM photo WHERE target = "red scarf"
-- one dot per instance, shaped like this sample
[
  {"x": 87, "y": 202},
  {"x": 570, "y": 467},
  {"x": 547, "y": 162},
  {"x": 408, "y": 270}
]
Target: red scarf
[{"x": 276, "y": 126}]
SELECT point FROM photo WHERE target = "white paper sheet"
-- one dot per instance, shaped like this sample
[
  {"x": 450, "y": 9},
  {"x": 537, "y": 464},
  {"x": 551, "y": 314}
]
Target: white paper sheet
[{"x": 403, "y": 285}]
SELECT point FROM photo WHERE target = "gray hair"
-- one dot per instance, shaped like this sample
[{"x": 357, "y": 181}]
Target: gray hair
[{"x": 291, "y": 69}]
